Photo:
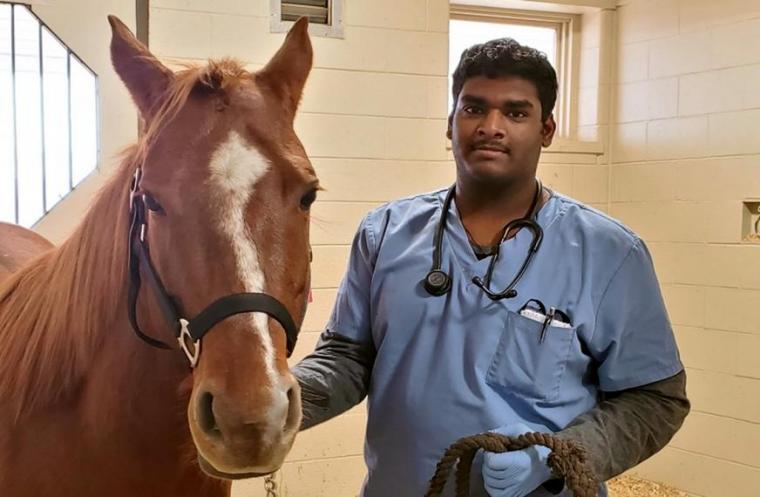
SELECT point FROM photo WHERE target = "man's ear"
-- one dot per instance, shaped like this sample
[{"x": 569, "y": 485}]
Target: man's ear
[
  {"x": 548, "y": 130},
  {"x": 448, "y": 128}
]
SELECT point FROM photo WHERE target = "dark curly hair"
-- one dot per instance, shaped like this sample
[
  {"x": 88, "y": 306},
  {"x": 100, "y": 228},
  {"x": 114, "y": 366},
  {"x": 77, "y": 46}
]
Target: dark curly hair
[{"x": 506, "y": 57}]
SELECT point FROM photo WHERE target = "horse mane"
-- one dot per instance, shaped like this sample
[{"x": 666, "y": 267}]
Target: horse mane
[{"x": 55, "y": 310}]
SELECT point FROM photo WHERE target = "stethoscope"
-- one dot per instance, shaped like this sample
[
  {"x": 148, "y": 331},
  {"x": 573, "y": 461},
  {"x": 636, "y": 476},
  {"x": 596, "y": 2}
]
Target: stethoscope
[{"x": 438, "y": 282}]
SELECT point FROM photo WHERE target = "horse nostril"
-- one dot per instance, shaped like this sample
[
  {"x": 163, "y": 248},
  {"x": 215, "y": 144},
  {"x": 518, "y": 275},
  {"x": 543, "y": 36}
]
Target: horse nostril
[
  {"x": 206, "y": 418},
  {"x": 294, "y": 409}
]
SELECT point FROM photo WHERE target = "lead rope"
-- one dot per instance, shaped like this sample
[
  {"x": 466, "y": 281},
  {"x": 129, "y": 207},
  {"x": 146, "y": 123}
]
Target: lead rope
[
  {"x": 270, "y": 485},
  {"x": 567, "y": 459}
]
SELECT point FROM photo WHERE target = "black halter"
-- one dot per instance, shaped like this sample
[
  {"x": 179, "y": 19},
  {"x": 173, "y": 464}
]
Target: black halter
[{"x": 188, "y": 332}]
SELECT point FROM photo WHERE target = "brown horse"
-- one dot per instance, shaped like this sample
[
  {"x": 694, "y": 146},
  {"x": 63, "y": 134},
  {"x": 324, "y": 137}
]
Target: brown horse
[
  {"x": 219, "y": 188},
  {"x": 17, "y": 247}
]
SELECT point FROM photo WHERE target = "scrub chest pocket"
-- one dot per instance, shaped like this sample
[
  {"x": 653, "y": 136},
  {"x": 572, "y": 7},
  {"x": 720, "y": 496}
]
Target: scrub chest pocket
[{"x": 524, "y": 366}]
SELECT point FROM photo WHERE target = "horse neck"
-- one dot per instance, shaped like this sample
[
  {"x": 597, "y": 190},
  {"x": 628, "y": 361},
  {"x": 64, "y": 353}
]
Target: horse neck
[
  {"x": 119, "y": 362},
  {"x": 69, "y": 352},
  {"x": 59, "y": 310}
]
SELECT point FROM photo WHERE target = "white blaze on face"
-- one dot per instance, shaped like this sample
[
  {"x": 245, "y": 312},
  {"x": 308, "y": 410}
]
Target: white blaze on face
[{"x": 236, "y": 167}]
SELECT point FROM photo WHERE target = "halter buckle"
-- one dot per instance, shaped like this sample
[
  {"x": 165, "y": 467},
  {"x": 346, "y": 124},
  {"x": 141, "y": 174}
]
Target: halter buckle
[
  {"x": 191, "y": 347},
  {"x": 134, "y": 188}
]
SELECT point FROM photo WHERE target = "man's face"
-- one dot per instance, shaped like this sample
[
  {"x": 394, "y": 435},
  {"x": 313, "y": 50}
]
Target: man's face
[{"x": 496, "y": 129}]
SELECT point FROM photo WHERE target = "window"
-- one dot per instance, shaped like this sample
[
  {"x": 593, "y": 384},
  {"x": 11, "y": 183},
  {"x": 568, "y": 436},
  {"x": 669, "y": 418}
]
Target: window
[
  {"x": 548, "y": 32},
  {"x": 48, "y": 117},
  {"x": 325, "y": 16},
  {"x": 318, "y": 11}
]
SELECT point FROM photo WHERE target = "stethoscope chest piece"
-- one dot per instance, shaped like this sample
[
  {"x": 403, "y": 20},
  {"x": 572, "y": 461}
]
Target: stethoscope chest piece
[{"x": 437, "y": 282}]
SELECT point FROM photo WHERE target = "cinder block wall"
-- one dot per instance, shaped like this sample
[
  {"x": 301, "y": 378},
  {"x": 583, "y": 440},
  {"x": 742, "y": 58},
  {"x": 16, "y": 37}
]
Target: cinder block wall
[{"x": 685, "y": 153}]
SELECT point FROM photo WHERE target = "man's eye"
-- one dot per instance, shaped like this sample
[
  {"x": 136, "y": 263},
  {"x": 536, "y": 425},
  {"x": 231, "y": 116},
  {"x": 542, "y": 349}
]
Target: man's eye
[{"x": 471, "y": 109}]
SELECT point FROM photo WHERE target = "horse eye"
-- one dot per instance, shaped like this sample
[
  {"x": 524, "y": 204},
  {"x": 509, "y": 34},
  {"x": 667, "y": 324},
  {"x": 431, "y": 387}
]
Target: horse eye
[
  {"x": 152, "y": 204},
  {"x": 308, "y": 199}
]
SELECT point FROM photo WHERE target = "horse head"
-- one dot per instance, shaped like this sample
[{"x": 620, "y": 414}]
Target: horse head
[{"x": 223, "y": 188}]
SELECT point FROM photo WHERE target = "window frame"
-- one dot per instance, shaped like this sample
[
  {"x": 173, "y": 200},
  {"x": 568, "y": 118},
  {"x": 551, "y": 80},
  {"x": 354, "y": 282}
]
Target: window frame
[
  {"x": 70, "y": 54},
  {"x": 567, "y": 27},
  {"x": 332, "y": 30}
]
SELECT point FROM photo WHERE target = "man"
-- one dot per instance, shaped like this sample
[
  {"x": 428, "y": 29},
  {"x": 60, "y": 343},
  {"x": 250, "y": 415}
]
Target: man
[{"x": 581, "y": 346}]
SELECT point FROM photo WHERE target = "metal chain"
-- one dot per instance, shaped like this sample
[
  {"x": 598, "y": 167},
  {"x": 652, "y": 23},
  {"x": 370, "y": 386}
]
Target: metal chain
[{"x": 270, "y": 485}]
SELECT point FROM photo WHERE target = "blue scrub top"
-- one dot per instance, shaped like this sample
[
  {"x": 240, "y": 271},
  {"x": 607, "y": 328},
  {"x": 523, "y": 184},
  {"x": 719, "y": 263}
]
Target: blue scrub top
[{"x": 461, "y": 364}]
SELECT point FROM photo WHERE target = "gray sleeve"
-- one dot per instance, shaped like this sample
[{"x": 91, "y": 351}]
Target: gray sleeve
[
  {"x": 333, "y": 378},
  {"x": 629, "y": 426}
]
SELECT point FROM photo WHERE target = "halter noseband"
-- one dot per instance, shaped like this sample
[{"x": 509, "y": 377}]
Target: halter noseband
[{"x": 188, "y": 332}]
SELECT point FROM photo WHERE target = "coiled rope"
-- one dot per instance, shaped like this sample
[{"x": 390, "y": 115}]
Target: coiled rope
[{"x": 567, "y": 459}]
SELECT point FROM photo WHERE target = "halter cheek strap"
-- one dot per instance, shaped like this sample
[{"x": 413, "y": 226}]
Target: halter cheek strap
[{"x": 188, "y": 332}]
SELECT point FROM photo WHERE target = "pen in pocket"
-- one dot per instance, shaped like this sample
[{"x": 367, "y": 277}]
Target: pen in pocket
[{"x": 554, "y": 317}]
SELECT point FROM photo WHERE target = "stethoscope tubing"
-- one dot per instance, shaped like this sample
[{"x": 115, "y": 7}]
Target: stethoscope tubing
[{"x": 438, "y": 282}]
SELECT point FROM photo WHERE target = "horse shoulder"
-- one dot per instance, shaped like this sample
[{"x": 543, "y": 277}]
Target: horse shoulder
[{"x": 18, "y": 246}]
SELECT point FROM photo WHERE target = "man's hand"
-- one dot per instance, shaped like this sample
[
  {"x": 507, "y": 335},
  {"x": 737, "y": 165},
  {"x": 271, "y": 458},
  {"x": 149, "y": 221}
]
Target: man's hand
[{"x": 517, "y": 473}]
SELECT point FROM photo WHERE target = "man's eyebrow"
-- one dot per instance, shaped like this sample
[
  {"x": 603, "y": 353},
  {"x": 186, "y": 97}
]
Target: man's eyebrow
[
  {"x": 509, "y": 104},
  {"x": 472, "y": 99},
  {"x": 518, "y": 104}
]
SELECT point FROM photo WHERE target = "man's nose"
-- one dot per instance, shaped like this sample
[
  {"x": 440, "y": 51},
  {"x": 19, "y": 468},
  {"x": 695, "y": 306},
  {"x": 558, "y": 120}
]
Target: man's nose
[{"x": 493, "y": 125}]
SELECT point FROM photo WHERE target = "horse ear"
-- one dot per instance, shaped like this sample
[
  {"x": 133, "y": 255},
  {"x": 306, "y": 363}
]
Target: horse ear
[
  {"x": 143, "y": 75},
  {"x": 286, "y": 73}
]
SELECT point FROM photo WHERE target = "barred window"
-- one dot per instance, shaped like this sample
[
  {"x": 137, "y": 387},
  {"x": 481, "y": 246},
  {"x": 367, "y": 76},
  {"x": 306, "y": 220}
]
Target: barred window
[
  {"x": 48, "y": 117},
  {"x": 318, "y": 11},
  {"x": 325, "y": 16}
]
